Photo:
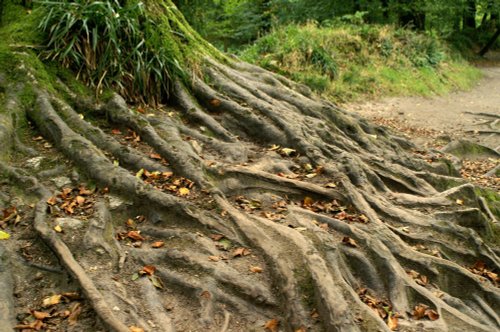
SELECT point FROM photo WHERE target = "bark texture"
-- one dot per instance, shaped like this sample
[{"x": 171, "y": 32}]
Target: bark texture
[{"x": 349, "y": 214}]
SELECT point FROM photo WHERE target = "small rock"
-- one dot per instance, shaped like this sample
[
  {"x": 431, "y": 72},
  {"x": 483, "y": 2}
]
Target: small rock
[
  {"x": 116, "y": 202},
  {"x": 61, "y": 181},
  {"x": 34, "y": 162},
  {"x": 69, "y": 223}
]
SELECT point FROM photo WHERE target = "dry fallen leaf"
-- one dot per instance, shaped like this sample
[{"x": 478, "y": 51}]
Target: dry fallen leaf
[
  {"x": 183, "y": 191},
  {"x": 215, "y": 102},
  {"x": 272, "y": 325},
  {"x": 419, "y": 311},
  {"x": 206, "y": 295},
  {"x": 76, "y": 310},
  {"x": 155, "y": 156},
  {"x": 350, "y": 242},
  {"x": 80, "y": 200},
  {"x": 51, "y": 300},
  {"x": 52, "y": 200},
  {"x": 157, "y": 244},
  {"x": 241, "y": 252},
  {"x": 214, "y": 258},
  {"x": 148, "y": 269},
  {"x": 135, "y": 235},
  {"x": 58, "y": 229},
  {"x": 255, "y": 269},
  {"x": 4, "y": 235},
  {"x": 431, "y": 314},
  {"x": 308, "y": 201},
  {"x": 135, "y": 329},
  {"x": 392, "y": 322},
  {"x": 216, "y": 237},
  {"x": 460, "y": 202},
  {"x": 40, "y": 315}
]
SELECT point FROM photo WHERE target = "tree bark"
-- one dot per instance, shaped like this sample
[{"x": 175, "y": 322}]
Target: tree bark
[{"x": 490, "y": 43}]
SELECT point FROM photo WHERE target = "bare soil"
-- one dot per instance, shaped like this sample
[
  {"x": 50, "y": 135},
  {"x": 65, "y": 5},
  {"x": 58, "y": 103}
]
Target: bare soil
[{"x": 472, "y": 115}]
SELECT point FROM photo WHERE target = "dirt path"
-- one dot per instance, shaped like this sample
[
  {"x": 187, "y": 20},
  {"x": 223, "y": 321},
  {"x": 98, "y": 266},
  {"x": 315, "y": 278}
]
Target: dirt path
[{"x": 474, "y": 114}]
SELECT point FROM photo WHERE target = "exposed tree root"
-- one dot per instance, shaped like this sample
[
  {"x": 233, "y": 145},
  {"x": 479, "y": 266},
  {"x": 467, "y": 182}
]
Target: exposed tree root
[{"x": 299, "y": 212}]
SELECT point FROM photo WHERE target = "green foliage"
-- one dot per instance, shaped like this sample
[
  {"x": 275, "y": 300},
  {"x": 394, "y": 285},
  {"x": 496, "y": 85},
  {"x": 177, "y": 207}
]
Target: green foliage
[
  {"x": 344, "y": 61},
  {"x": 112, "y": 44}
]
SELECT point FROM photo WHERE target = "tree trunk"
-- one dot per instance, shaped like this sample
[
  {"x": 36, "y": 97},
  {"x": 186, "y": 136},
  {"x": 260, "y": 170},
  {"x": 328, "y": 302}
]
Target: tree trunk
[
  {"x": 250, "y": 203},
  {"x": 470, "y": 14},
  {"x": 490, "y": 43}
]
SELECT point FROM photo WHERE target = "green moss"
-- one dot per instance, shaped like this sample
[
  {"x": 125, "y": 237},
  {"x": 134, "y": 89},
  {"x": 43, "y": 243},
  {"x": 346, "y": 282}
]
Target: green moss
[{"x": 306, "y": 286}]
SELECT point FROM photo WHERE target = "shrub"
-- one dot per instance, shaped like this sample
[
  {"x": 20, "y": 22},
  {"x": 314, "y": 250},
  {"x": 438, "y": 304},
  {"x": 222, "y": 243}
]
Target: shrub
[{"x": 111, "y": 44}]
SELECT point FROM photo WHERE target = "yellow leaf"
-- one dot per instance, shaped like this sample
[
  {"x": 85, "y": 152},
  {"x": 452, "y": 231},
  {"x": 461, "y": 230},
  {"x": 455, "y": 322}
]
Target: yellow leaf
[
  {"x": 288, "y": 151},
  {"x": 139, "y": 173},
  {"x": 4, "y": 235},
  {"x": 58, "y": 229},
  {"x": 183, "y": 191},
  {"x": 460, "y": 202},
  {"x": 51, "y": 300}
]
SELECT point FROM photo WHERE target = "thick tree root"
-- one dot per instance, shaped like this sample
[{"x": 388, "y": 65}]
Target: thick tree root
[{"x": 299, "y": 212}]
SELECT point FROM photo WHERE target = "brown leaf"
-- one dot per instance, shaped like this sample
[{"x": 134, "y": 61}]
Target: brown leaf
[
  {"x": 214, "y": 258},
  {"x": 479, "y": 265},
  {"x": 431, "y": 314},
  {"x": 157, "y": 244},
  {"x": 301, "y": 329},
  {"x": 80, "y": 200},
  {"x": 206, "y": 295},
  {"x": 40, "y": 315},
  {"x": 84, "y": 191},
  {"x": 255, "y": 269},
  {"x": 135, "y": 235},
  {"x": 155, "y": 156},
  {"x": 135, "y": 329},
  {"x": 424, "y": 280},
  {"x": 76, "y": 310},
  {"x": 148, "y": 269},
  {"x": 392, "y": 322},
  {"x": 216, "y": 237},
  {"x": 314, "y": 314},
  {"x": 115, "y": 131},
  {"x": 272, "y": 325},
  {"x": 52, "y": 200},
  {"x": 308, "y": 201},
  {"x": 241, "y": 252},
  {"x": 419, "y": 311},
  {"x": 215, "y": 102},
  {"x": 349, "y": 242}
]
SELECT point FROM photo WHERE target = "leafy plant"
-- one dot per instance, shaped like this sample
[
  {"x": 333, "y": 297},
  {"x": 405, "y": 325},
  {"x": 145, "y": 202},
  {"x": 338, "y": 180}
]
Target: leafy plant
[{"x": 111, "y": 44}]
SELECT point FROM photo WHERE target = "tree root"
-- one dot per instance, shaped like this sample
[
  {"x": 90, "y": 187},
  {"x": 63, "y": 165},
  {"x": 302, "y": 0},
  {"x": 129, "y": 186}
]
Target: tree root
[{"x": 299, "y": 212}]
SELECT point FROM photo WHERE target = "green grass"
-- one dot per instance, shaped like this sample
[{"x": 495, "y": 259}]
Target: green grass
[{"x": 348, "y": 62}]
